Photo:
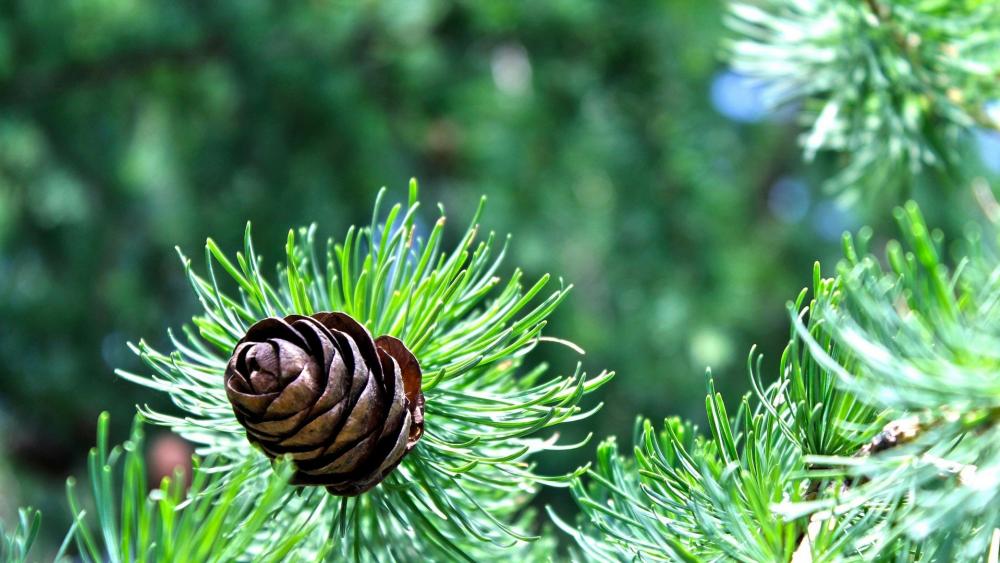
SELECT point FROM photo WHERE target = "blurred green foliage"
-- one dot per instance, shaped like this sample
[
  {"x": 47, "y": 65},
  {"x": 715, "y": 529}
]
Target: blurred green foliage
[{"x": 610, "y": 139}]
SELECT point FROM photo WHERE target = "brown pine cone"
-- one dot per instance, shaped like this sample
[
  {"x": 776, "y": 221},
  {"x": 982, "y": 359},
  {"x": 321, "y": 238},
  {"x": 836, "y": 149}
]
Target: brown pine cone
[{"x": 346, "y": 407}]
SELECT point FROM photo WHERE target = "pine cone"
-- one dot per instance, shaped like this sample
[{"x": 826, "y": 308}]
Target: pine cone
[{"x": 346, "y": 407}]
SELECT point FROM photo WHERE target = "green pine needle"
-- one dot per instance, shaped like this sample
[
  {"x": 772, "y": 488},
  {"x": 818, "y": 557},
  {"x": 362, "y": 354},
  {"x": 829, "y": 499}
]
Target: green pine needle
[
  {"x": 892, "y": 85},
  {"x": 822, "y": 418},
  {"x": 16, "y": 543},
  {"x": 682, "y": 496},
  {"x": 221, "y": 517}
]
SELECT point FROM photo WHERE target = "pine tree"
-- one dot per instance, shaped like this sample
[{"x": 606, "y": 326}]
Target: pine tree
[{"x": 875, "y": 439}]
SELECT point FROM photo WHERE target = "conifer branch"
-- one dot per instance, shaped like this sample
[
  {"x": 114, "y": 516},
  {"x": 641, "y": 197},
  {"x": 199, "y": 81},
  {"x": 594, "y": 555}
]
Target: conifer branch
[
  {"x": 914, "y": 346},
  {"x": 924, "y": 337},
  {"x": 893, "y": 87},
  {"x": 462, "y": 492}
]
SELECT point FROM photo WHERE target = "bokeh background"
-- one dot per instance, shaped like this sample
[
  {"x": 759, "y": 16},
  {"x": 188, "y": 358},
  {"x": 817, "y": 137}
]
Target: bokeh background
[{"x": 610, "y": 139}]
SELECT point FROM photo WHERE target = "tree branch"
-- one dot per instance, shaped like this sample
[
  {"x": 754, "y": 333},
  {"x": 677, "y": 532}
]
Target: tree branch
[{"x": 893, "y": 434}]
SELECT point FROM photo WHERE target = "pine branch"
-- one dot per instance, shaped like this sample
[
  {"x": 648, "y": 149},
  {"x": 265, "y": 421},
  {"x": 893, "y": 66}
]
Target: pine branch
[
  {"x": 895, "y": 433},
  {"x": 909, "y": 46},
  {"x": 811, "y": 471},
  {"x": 462, "y": 492},
  {"x": 925, "y": 338},
  {"x": 892, "y": 86},
  {"x": 685, "y": 497}
]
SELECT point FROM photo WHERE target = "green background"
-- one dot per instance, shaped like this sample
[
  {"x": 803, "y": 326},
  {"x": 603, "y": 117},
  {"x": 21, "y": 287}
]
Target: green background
[{"x": 610, "y": 139}]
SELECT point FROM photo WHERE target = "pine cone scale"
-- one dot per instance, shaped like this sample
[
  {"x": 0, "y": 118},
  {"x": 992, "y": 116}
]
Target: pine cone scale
[
  {"x": 394, "y": 389},
  {"x": 336, "y": 387},
  {"x": 346, "y": 407},
  {"x": 245, "y": 403},
  {"x": 304, "y": 389},
  {"x": 273, "y": 429},
  {"x": 409, "y": 381},
  {"x": 314, "y": 434}
]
